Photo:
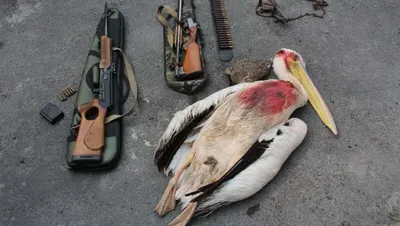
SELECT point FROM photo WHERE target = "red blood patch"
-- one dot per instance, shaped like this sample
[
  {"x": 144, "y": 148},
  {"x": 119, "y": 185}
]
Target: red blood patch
[{"x": 272, "y": 97}]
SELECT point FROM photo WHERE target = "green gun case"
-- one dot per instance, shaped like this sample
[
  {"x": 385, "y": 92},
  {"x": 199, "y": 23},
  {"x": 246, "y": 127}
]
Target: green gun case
[
  {"x": 188, "y": 86},
  {"x": 113, "y": 130}
]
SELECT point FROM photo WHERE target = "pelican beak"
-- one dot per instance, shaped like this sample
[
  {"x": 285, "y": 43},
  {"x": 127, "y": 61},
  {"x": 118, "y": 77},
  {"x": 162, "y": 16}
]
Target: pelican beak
[{"x": 314, "y": 96}]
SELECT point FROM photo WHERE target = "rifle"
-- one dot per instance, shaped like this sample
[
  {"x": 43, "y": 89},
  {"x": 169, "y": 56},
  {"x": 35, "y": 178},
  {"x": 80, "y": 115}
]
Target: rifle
[
  {"x": 90, "y": 138},
  {"x": 192, "y": 66}
]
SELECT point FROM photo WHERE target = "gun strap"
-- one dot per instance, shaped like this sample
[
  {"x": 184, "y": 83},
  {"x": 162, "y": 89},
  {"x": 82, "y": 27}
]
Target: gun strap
[
  {"x": 133, "y": 87},
  {"x": 163, "y": 21}
]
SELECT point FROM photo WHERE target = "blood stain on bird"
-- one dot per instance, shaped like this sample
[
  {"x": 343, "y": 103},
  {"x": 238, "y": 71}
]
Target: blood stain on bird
[{"x": 274, "y": 97}]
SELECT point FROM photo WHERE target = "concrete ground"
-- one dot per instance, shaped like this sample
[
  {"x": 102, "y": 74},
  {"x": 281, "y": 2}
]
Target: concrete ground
[{"x": 352, "y": 54}]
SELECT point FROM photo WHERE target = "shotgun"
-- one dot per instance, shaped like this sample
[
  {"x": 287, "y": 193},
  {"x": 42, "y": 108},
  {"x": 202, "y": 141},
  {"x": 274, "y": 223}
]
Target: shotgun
[
  {"x": 91, "y": 134},
  {"x": 191, "y": 67}
]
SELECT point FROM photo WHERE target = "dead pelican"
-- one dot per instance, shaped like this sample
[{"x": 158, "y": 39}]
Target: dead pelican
[{"x": 229, "y": 145}]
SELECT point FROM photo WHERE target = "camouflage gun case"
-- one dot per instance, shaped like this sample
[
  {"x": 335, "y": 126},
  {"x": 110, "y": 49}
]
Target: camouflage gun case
[
  {"x": 113, "y": 133},
  {"x": 185, "y": 86}
]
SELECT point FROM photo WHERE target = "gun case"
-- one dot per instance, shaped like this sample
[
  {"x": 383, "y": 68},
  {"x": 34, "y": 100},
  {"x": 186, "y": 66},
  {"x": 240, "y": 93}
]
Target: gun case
[
  {"x": 187, "y": 86},
  {"x": 113, "y": 130}
]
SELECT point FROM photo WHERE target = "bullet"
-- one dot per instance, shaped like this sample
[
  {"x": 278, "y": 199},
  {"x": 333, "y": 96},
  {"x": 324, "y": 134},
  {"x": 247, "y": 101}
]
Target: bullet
[
  {"x": 62, "y": 97},
  {"x": 220, "y": 15},
  {"x": 70, "y": 90},
  {"x": 224, "y": 39},
  {"x": 222, "y": 22},
  {"x": 225, "y": 43},
  {"x": 224, "y": 35},
  {"x": 219, "y": 10},
  {"x": 222, "y": 27}
]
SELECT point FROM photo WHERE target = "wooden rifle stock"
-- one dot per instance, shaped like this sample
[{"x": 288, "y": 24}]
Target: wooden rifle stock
[
  {"x": 192, "y": 62},
  {"x": 90, "y": 139}
]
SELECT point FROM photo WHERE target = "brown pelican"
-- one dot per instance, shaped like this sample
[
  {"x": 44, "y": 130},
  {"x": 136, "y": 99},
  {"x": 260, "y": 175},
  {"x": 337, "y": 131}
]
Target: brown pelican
[{"x": 229, "y": 145}]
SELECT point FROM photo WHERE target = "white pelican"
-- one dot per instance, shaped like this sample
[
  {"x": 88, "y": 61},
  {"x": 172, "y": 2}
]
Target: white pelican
[{"x": 229, "y": 145}]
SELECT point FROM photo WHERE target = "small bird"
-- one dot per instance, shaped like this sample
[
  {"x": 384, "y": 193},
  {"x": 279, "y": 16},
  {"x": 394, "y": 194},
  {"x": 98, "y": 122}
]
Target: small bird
[
  {"x": 228, "y": 146},
  {"x": 245, "y": 70}
]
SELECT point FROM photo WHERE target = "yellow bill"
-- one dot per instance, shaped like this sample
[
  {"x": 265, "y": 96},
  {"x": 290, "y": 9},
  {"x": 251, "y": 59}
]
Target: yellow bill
[{"x": 314, "y": 96}]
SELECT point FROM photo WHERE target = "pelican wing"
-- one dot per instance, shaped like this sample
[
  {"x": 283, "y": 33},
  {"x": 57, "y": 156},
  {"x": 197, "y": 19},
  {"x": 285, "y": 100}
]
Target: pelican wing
[
  {"x": 185, "y": 124},
  {"x": 255, "y": 169}
]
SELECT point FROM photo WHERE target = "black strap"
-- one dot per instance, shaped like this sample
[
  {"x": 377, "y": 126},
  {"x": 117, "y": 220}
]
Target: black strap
[{"x": 94, "y": 53}]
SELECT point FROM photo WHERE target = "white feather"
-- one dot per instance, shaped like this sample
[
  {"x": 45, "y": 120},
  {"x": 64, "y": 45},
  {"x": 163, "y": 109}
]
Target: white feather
[
  {"x": 257, "y": 175},
  {"x": 181, "y": 155},
  {"x": 181, "y": 117}
]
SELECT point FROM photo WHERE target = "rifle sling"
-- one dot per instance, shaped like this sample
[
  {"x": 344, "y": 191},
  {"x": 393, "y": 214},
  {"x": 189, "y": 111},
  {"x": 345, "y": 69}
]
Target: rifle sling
[{"x": 163, "y": 21}]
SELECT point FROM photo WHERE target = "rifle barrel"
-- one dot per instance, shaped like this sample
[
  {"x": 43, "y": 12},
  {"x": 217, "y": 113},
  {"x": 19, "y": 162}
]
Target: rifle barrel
[
  {"x": 178, "y": 41},
  {"x": 105, "y": 18}
]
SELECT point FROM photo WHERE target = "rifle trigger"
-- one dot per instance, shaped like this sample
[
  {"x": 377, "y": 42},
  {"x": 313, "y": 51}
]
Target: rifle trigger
[{"x": 74, "y": 129}]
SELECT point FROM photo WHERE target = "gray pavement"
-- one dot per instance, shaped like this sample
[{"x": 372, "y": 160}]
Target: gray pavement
[{"x": 352, "y": 54}]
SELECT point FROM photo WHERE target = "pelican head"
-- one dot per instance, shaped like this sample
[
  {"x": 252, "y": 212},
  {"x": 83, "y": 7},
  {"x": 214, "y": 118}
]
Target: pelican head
[{"x": 290, "y": 66}]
